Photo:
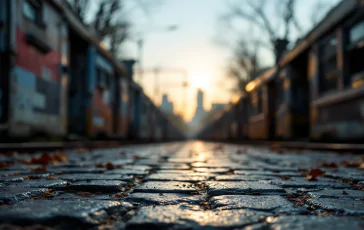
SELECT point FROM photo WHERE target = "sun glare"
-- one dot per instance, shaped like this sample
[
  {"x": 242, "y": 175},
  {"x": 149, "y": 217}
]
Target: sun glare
[{"x": 200, "y": 80}]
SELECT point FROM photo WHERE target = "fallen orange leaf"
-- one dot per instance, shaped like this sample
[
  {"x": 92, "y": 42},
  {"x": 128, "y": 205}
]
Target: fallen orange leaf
[{"x": 314, "y": 173}]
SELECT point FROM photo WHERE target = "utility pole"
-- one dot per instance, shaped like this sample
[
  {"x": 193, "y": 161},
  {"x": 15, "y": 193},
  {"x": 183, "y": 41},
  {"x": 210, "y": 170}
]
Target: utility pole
[
  {"x": 140, "y": 57},
  {"x": 156, "y": 84}
]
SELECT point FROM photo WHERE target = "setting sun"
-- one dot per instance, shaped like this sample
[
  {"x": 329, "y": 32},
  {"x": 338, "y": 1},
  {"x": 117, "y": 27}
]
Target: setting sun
[{"x": 200, "y": 80}]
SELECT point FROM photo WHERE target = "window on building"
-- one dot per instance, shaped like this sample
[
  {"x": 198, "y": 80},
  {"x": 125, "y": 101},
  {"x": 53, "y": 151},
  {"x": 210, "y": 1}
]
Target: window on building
[
  {"x": 356, "y": 32},
  {"x": 328, "y": 64},
  {"x": 32, "y": 10},
  {"x": 355, "y": 52},
  {"x": 103, "y": 79}
]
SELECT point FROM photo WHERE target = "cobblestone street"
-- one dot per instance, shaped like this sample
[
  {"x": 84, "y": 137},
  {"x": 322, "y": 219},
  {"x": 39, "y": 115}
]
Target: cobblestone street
[{"x": 192, "y": 185}]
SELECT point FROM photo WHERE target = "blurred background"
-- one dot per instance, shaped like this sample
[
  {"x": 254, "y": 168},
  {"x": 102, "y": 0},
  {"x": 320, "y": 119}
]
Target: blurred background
[{"x": 195, "y": 57}]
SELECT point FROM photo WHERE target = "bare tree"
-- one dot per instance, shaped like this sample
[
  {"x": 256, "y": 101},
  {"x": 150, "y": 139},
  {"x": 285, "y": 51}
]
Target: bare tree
[
  {"x": 80, "y": 7},
  {"x": 277, "y": 20},
  {"x": 318, "y": 11},
  {"x": 110, "y": 20},
  {"x": 255, "y": 12},
  {"x": 279, "y": 24},
  {"x": 245, "y": 64},
  {"x": 118, "y": 35},
  {"x": 111, "y": 23}
]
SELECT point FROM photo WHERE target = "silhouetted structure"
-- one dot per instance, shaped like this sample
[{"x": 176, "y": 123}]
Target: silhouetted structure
[
  {"x": 200, "y": 111},
  {"x": 166, "y": 106}
]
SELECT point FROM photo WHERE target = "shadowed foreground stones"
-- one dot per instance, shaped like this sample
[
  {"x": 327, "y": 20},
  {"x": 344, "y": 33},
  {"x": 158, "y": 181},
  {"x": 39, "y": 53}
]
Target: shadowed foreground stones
[
  {"x": 76, "y": 170},
  {"x": 191, "y": 217},
  {"x": 166, "y": 187},
  {"x": 338, "y": 193},
  {"x": 241, "y": 178},
  {"x": 175, "y": 177},
  {"x": 99, "y": 186},
  {"x": 321, "y": 183},
  {"x": 126, "y": 172},
  {"x": 268, "y": 173},
  {"x": 58, "y": 184},
  {"x": 84, "y": 177},
  {"x": 317, "y": 223},
  {"x": 352, "y": 207},
  {"x": 14, "y": 195},
  {"x": 86, "y": 196},
  {"x": 244, "y": 188},
  {"x": 203, "y": 186},
  {"x": 65, "y": 212},
  {"x": 163, "y": 198},
  {"x": 268, "y": 203}
]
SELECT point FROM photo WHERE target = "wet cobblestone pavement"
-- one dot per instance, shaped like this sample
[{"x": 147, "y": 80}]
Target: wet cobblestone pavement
[{"x": 191, "y": 185}]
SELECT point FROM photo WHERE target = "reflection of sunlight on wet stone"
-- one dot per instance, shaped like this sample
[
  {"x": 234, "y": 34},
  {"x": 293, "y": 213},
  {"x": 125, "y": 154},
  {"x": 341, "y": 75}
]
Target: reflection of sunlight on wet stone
[
  {"x": 201, "y": 157},
  {"x": 192, "y": 217},
  {"x": 271, "y": 219},
  {"x": 199, "y": 164},
  {"x": 211, "y": 188}
]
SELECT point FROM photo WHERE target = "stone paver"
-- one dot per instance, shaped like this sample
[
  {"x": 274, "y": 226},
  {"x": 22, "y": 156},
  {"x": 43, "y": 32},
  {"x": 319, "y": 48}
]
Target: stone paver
[
  {"x": 13, "y": 195},
  {"x": 353, "y": 207},
  {"x": 338, "y": 193},
  {"x": 81, "y": 195},
  {"x": 99, "y": 186},
  {"x": 127, "y": 172},
  {"x": 269, "y": 203},
  {"x": 66, "y": 213},
  {"x": 166, "y": 187},
  {"x": 268, "y": 173},
  {"x": 163, "y": 198},
  {"x": 193, "y": 185},
  {"x": 317, "y": 223},
  {"x": 242, "y": 178},
  {"x": 186, "y": 217},
  {"x": 76, "y": 170},
  {"x": 302, "y": 183},
  {"x": 87, "y": 176},
  {"x": 175, "y": 177},
  {"x": 59, "y": 184},
  {"x": 243, "y": 188}
]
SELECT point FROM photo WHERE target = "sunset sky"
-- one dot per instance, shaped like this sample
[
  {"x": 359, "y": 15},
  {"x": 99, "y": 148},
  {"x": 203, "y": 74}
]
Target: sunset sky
[{"x": 193, "y": 47}]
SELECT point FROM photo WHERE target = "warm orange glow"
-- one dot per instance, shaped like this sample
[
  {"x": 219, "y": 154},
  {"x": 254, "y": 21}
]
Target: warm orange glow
[
  {"x": 201, "y": 157},
  {"x": 236, "y": 98},
  {"x": 250, "y": 86},
  {"x": 102, "y": 45}
]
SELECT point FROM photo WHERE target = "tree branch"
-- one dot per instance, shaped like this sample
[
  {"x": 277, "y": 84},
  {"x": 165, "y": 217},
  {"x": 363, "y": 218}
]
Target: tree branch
[{"x": 259, "y": 10}]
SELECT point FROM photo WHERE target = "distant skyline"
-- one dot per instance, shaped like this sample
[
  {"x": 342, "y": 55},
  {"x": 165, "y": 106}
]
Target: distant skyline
[{"x": 192, "y": 47}]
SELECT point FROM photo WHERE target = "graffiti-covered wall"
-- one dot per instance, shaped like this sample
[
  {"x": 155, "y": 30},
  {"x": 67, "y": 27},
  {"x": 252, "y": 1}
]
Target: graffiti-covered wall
[{"x": 38, "y": 85}]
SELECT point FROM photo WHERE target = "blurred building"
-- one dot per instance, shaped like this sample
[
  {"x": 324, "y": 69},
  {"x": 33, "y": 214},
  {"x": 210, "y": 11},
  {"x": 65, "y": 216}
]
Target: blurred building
[
  {"x": 166, "y": 106},
  {"x": 217, "y": 106},
  {"x": 200, "y": 111},
  {"x": 200, "y": 100}
]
